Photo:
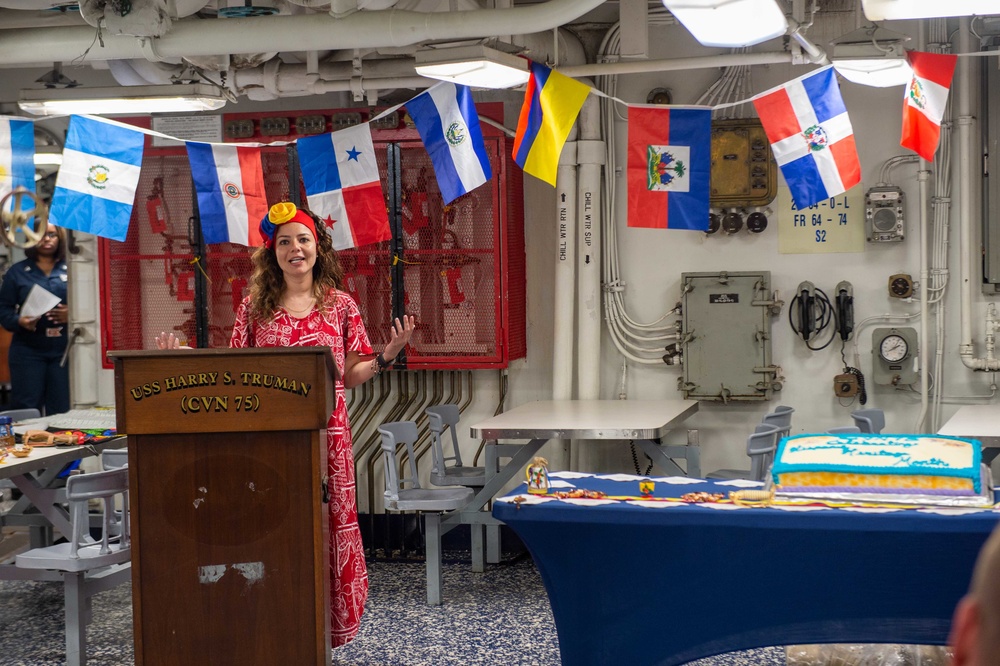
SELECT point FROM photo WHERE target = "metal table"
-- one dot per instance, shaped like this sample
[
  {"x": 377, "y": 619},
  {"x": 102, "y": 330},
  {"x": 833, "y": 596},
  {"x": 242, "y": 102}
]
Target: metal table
[
  {"x": 980, "y": 422},
  {"x": 644, "y": 422}
]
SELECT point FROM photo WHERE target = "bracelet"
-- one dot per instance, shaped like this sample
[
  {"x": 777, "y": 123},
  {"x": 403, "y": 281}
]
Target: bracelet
[
  {"x": 376, "y": 368},
  {"x": 382, "y": 363}
]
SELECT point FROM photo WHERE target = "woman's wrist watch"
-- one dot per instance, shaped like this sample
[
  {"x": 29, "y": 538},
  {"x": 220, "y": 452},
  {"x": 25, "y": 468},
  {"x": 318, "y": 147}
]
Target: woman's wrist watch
[{"x": 382, "y": 363}]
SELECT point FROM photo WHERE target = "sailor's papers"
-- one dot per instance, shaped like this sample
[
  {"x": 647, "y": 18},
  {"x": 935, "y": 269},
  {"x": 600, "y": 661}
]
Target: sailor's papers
[{"x": 38, "y": 302}]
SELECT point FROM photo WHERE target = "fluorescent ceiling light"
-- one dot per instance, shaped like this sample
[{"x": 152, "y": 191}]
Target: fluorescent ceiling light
[
  {"x": 883, "y": 10},
  {"x": 122, "y": 100},
  {"x": 729, "y": 23},
  {"x": 872, "y": 56},
  {"x": 478, "y": 66},
  {"x": 48, "y": 157}
]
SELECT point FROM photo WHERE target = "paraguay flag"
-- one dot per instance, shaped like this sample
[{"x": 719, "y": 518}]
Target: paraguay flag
[
  {"x": 448, "y": 124},
  {"x": 229, "y": 182},
  {"x": 552, "y": 101},
  {"x": 925, "y": 100},
  {"x": 96, "y": 184},
  {"x": 811, "y": 136},
  {"x": 17, "y": 157},
  {"x": 342, "y": 186},
  {"x": 669, "y": 166}
]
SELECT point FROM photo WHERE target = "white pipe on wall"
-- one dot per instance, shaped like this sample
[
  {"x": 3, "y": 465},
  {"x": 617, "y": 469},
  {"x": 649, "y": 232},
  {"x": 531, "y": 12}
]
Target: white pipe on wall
[
  {"x": 565, "y": 292},
  {"x": 297, "y": 33},
  {"x": 83, "y": 294},
  {"x": 925, "y": 310}
]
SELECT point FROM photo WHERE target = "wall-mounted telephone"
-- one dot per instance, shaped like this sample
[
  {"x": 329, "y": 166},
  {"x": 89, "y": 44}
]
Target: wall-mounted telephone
[
  {"x": 807, "y": 310},
  {"x": 845, "y": 310}
]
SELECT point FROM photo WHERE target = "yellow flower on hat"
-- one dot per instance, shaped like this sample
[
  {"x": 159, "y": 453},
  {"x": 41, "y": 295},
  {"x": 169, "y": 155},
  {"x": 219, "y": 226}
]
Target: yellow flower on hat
[{"x": 282, "y": 212}]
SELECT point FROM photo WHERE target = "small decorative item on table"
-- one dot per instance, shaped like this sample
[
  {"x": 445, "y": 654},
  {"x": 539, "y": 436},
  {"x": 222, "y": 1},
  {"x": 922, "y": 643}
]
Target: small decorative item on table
[
  {"x": 646, "y": 488},
  {"x": 21, "y": 450},
  {"x": 537, "y": 475}
]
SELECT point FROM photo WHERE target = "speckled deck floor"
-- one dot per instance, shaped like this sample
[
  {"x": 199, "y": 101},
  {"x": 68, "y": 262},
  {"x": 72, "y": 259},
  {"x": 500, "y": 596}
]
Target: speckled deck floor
[{"x": 498, "y": 618}]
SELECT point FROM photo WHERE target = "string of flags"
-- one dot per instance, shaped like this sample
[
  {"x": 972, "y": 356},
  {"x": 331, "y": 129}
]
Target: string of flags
[{"x": 669, "y": 156}]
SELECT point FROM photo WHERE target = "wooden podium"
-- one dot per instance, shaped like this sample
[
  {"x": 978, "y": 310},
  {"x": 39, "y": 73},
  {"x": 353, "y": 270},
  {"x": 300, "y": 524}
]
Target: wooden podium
[{"x": 227, "y": 466}]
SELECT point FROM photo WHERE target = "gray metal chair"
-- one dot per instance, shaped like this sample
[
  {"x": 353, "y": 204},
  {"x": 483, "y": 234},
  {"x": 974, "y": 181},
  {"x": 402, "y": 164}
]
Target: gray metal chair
[
  {"x": 781, "y": 417},
  {"x": 844, "y": 430},
  {"x": 21, "y": 414},
  {"x": 86, "y": 566},
  {"x": 870, "y": 421},
  {"x": 404, "y": 493},
  {"x": 114, "y": 458},
  {"x": 439, "y": 419},
  {"x": 761, "y": 446}
]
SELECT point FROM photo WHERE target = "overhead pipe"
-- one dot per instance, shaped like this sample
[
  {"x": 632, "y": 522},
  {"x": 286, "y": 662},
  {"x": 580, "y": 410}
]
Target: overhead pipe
[{"x": 304, "y": 32}]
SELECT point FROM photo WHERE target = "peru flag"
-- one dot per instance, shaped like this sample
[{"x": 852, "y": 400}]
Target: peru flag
[
  {"x": 229, "y": 183},
  {"x": 811, "y": 136},
  {"x": 669, "y": 166},
  {"x": 925, "y": 100}
]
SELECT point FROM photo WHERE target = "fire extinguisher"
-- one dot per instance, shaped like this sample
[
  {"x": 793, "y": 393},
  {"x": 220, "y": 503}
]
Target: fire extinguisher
[
  {"x": 156, "y": 208},
  {"x": 453, "y": 287}
]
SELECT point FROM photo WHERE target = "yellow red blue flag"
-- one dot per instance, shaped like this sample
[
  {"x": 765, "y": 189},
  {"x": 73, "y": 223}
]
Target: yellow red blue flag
[{"x": 552, "y": 101}]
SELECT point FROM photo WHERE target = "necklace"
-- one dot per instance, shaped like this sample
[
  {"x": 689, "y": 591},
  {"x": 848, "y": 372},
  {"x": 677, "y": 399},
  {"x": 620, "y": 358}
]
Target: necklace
[{"x": 301, "y": 312}]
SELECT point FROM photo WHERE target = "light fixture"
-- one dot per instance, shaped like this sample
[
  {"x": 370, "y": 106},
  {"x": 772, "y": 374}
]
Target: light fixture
[
  {"x": 872, "y": 56},
  {"x": 477, "y": 65},
  {"x": 122, "y": 100},
  {"x": 884, "y": 10},
  {"x": 48, "y": 156},
  {"x": 729, "y": 23}
]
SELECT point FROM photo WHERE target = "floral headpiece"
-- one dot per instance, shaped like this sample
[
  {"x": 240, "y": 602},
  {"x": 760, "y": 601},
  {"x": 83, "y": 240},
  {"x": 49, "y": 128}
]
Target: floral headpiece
[{"x": 281, "y": 213}]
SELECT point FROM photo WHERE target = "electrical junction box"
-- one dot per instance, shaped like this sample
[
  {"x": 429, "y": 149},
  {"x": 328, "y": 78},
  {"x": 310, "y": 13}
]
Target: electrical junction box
[
  {"x": 884, "y": 214},
  {"x": 726, "y": 336}
]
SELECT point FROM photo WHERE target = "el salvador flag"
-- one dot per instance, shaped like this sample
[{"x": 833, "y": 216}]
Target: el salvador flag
[
  {"x": 229, "y": 182},
  {"x": 17, "y": 157},
  {"x": 98, "y": 177},
  {"x": 447, "y": 121}
]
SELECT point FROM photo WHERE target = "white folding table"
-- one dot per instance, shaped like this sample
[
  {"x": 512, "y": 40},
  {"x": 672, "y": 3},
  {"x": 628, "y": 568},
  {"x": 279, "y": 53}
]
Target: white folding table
[{"x": 980, "y": 422}]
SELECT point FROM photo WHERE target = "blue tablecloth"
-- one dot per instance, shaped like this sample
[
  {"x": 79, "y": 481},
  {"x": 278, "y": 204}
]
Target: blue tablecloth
[{"x": 639, "y": 585}]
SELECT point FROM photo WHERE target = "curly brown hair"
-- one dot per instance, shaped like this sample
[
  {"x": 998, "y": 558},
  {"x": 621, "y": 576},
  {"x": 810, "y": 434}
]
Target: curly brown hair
[{"x": 267, "y": 282}]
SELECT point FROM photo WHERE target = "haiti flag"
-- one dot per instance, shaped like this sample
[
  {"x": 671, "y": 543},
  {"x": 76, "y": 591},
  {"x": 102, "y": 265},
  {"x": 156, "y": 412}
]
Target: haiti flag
[
  {"x": 669, "y": 166},
  {"x": 811, "y": 136}
]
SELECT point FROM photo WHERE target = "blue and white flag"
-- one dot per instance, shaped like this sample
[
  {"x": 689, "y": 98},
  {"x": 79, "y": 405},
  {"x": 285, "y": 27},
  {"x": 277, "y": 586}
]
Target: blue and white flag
[
  {"x": 98, "y": 177},
  {"x": 447, "y": 121},
  {"x": 17, "y": 157}
]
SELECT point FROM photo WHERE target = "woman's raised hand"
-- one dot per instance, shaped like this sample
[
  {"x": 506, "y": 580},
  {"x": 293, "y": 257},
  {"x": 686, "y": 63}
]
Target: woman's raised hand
[
  {"x": 401, "y": 332},
  {"x": 169, "y": 341}
]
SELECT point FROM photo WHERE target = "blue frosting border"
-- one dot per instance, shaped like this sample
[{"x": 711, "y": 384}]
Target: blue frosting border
[{"x": 973, "y": 472}]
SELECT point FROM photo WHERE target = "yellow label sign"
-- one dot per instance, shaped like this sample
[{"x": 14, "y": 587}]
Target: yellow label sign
[{"x": 836, "y": 224}]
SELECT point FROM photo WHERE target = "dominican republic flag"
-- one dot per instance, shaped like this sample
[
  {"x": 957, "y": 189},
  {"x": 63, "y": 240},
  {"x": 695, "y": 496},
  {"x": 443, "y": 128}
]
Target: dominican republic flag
[
  {"x": 229, "y": 182},
  {"x": 448, "y": 124},
  {"x": 17, "y": 157},
  {"x": 342, "y": 186},
  {"x": 552, "y": 101},
  {"x": 669, "y": 166},
  {"x": 924, "y": 101},
  {"x": 96, "y": 184},
  {"x": 811, "y": 136}
]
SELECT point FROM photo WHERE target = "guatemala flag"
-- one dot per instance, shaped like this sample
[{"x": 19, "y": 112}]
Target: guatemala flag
[
  {"x": 447, "y": 121},
  {"x": 17, "y": 157},
  {"x": 811, "y": 136},
  {"x": 98, "y": 177},
  {"x": 229, "y": 182},
  {"x": 342, "y": 186}
]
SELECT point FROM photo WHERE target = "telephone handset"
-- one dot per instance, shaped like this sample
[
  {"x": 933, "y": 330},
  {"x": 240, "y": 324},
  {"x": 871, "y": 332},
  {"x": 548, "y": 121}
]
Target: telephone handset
[
  {"x": 845, "y": 310},
  {"x": 807, "y": 309}
]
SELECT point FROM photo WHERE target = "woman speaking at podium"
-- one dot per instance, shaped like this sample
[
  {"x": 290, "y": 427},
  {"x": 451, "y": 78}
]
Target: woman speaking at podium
[{"x": 295, "y": 299}]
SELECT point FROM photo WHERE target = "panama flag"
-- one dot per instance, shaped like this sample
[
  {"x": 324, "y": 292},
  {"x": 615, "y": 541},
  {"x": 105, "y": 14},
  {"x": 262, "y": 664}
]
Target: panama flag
[
  {"x": 924, "y": 101},
  {"x": 669, "y": 165},
  {"x": 448, "y": 124},
  {"x": 342, "y": 186},
  {"x": 17, "y": 158},
  {"x": 229, "y": 183},
  {"x": 98, "y": 177},
  {"x": 811, "y": 136}
]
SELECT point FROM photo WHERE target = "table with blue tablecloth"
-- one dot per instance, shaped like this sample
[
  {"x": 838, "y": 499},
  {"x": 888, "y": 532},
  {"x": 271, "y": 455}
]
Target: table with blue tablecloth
[{"x": 641, "y": 582}]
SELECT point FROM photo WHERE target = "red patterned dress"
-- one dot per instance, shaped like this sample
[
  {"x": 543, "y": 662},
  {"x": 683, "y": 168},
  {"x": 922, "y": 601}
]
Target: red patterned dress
[{"x": 343, "y": 331}]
